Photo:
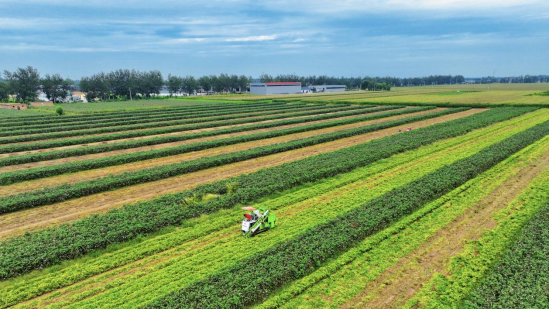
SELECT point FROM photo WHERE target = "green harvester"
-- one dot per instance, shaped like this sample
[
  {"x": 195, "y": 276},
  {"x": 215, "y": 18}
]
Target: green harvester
[{"x": 257, "y": 221}]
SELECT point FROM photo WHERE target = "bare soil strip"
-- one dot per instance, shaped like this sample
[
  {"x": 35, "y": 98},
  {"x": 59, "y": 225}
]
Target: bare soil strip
[
  {"x": 3, "y": 155},
  {"x": 402, "y": 281},
  {"x": 40, "y": 217},
  {"x": 134, "y": 166},
  {"x": 165, "y": 145}
]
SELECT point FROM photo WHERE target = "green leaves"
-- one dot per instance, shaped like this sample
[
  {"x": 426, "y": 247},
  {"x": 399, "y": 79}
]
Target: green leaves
[{"x": 48, "y": 246}]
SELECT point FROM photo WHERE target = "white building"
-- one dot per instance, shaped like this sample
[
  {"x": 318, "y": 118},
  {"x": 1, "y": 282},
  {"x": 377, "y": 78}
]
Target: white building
[
  {"x": 275, "y": 88},
  {"x": 328, "y": 88}
]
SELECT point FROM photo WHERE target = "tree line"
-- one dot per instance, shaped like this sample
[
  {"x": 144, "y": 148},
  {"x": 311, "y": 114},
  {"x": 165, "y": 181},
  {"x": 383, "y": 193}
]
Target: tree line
[{"x": 24, "y": 83}]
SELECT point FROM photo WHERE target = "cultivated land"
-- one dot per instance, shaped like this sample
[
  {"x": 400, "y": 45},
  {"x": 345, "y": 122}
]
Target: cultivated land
[{"x": 137, "y": 204}]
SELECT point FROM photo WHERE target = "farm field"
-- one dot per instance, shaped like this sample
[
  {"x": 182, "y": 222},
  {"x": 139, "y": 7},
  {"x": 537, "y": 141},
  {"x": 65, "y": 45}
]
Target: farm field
[
  {"x": 408, "y": 199},
  {"x": 481, "y": 95}
]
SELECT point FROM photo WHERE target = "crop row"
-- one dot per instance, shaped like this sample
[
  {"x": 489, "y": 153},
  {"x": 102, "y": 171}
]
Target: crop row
[
  {"x": 220, "y": 248},
  {"x": 299, "y": 256},
  {"x": 171, "y": 115},
  {"x": 85, "y": 188},
  {"x": 520, "y": 279},
  {"x": 50, "y": 246},
  {"x": 71, "y": 152},
  {"x": 139, "y": 126},
  {"x": 71, "y": 167},
  {"x": 164, "y": 128},
  {"x": 118, "y": 262},
  {"x": 51, "y": 119},
  {"x": 468, "y": 269},
  {"x": 344, "y": 278}
]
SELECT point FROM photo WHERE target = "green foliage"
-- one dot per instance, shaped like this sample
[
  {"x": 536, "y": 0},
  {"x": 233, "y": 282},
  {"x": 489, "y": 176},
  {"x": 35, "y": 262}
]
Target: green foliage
[
  {"x": 84, "y": 188},
  {"x": 4, "y": 92},
  {"x": 520, "y": 279},
  {"x": 145, "y": 124},
  {"x": 158, "y": 119},
  {"x": 158, "y": 153},
  {"x": 52, "y": 245},
  {"x": 294, "y": 258},
  {"x": 317, "y": 115},
  {"x": 23, "y": 83},
  {"x": 59, "y": 110},
  {"x": 541, "y": 94}
]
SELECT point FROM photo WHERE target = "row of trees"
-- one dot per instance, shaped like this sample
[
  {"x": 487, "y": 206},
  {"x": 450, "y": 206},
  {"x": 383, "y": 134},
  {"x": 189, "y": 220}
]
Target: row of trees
[
  {"x": 25, "y": 82},
  {"x": 220, "y": 83},
  {"x": 122, "y": 84},
  {"x": 513, "y": 79},
  {"x": 129, "y": 84},
  {"x": 358, "y": 82}
]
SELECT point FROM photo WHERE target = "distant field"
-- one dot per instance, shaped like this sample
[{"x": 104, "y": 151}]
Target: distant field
[
  {"x": 452, "y": 95},
  {"x": 138, "y": 204}
]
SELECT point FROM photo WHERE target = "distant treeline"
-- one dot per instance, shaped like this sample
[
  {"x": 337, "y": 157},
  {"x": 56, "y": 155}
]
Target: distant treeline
[
  {"x": 512, "y": 79},
  {"x": 24, "y": 83},
  {"x": 363, "y": 82}
]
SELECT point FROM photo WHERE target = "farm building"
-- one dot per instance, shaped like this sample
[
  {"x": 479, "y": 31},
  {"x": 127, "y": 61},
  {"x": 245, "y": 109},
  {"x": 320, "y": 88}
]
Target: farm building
[
  {"x": 16, "y": 106},
  {"x": 328, "y": 88},
  {"x": 275, "y": 88}
]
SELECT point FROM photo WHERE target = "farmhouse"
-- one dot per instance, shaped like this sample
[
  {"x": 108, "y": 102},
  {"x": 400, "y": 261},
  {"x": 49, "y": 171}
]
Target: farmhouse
[
  {"x": 275, "y": 88},
  {"x": 328, "y": 88}
]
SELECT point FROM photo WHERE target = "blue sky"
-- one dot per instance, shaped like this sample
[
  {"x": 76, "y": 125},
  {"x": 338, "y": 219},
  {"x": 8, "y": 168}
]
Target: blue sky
[{"x": 342, "y": 38}]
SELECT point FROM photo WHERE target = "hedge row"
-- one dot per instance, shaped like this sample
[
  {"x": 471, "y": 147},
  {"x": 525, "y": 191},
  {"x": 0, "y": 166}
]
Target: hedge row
[
  {"x": 163, "y": 129},
  {"x": 161, "y": 117},
  {"x": 42, "y": 156},
  {"x": 52, "y": 245},
  {"x": 297, "y": 257},
  {"x": 139, "y": 126},
  {"x": 520, "y": 279},
  {"x": 84, "y": 188}
]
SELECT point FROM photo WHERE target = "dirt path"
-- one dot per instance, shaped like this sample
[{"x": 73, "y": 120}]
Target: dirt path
[
  {"x": 165, "y": 145},
  {"x": 31, "y": 219},
  {"x": 402, "y": 281},
  {"x": 102, "y": 172},
  {"x": 4, "y": 155}
]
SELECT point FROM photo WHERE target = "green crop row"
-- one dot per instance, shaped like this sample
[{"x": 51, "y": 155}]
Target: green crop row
[
  {"x": 84, "y": 188},
  {"x": 139, "y": 126},
  {"x": 517, "y": 286},
  {"x": 57, "y": 154},
  {"x": 118, "y": 262},
  {"x": 50, "y": 246},
  {"x": 50, "y": 119},
  {"x": 71, "y": 167},
  {"x": 344, "y": 278},
  {"x": 520, "y": 280},
  {"x": 300, "y": 256},
  {"x": 163, "y": 130},
  {"x": 171, "y": 115}
]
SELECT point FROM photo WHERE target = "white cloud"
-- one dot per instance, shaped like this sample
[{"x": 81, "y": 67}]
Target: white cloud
[
  {"x": 258, "y": 38},
  {"x": 433, "y": 8}
]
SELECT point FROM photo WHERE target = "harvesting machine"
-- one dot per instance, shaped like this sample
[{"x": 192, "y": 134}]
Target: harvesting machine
[{"x": 257, "y": 221}]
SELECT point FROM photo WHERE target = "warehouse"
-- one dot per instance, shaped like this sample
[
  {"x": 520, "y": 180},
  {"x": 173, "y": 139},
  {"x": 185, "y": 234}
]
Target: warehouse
[
  {"x": 328, "y": 88},
  {"x": 275, "y": 88}
]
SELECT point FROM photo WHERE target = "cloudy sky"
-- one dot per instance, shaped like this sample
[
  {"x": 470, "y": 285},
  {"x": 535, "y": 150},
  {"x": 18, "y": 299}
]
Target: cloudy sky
[{"x": 344, "y": 38}]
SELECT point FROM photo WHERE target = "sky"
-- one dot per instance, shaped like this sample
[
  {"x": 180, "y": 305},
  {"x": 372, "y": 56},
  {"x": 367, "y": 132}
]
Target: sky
[{"x": 401, "y": 38}]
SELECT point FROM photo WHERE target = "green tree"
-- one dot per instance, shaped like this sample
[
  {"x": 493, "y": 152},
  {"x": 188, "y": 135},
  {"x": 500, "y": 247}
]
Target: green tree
[
  {"x": 4, "y": 91},
  {"x": 24, "y": 83},
  {"x": 174, "y": 84},
  {"x": 205, "y": 83},
  {"x": 54, "y": 86},
  {"x": 59, "y": 110}
]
